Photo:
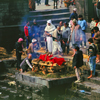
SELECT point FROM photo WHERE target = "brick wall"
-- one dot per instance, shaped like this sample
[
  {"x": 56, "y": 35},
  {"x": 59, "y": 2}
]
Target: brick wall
[{"x": 11, "y": 11}]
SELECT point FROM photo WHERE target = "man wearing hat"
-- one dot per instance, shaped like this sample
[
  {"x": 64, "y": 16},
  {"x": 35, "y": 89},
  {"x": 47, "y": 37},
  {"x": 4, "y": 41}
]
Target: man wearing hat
[
  {"x": 19, "y": 50},
  {"x": 48, "y": 32},
  {"x": 74, "y": 14}
]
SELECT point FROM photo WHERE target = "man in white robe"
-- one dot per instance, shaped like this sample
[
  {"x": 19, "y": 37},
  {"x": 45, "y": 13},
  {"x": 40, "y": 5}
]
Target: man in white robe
[{"x": 48, "y": 31}]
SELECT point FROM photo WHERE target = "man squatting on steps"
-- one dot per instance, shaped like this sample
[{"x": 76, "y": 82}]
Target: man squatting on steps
[{"x": 26, "y": 63}]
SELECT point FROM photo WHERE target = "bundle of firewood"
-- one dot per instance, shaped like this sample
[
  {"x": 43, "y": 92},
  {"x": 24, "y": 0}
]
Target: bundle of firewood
[{"x": 47, "y": 66}]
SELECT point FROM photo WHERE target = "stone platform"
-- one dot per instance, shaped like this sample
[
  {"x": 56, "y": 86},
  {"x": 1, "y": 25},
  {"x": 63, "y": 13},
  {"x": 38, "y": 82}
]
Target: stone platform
[{"x": 49, "y": 82}]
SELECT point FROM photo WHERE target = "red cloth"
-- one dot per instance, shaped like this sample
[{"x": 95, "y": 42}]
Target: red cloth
[
  {"x": 96, "y": 24},
  {"x": 26, "y": 31},
  {"x": 59, "y": 61}
]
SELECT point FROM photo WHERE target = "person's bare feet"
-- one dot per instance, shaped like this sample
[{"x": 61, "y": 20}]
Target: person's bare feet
[
  {"x": 90, "y": 77},
  {"x": 97, "y": 61}
]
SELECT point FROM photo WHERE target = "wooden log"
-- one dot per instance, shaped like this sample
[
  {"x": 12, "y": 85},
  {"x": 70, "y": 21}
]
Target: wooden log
[
  {"x": 36, "y": 69},
  {"x": 35, "y": 62},
  {"x": 44, "y": 72},
  {"x": 51, "y": 71},
  {"x": 59, "y": 67},
  {"x": 50, "y": 68}
]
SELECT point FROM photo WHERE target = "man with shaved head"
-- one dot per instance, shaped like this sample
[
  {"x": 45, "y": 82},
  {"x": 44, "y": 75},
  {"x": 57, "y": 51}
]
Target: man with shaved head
[{"x": 26, "y": 63}]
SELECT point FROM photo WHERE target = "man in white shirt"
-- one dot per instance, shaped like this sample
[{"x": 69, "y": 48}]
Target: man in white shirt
[{"x": 65, "y": 37}]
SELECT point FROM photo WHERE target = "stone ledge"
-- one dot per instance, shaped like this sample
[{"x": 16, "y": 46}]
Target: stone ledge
[{"x": 49, "y": 83}]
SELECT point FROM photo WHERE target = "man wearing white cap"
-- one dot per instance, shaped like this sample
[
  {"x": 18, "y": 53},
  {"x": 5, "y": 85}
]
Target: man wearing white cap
[
  {"x": 74, "y": 14},
  {"x": 31, "y": 48},
  {"x": 48, "y": 32}
]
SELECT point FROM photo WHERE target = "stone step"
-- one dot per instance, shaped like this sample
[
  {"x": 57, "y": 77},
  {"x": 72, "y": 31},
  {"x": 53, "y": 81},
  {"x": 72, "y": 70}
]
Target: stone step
[
  {"x": 95, "y": 94},
  {"x": 95, "y": 80},
  {"x": 48, "y": 11},
  {"x": 49, "y": 16},
  {"x": 57, "y": 20},
  {"x": 87, "y": 72},
  {"x": 87, "y": 86}
]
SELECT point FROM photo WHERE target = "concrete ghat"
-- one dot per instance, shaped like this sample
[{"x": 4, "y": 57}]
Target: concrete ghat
[{"x": 49, "y": 83}]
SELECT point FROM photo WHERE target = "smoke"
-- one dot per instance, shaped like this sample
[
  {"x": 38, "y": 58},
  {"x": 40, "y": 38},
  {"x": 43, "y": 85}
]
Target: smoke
[{"x": 23, "y": 22}]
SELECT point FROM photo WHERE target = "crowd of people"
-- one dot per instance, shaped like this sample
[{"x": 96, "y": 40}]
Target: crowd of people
[
  {"x": 32, "y": 3},
  {"x": 67, "y": 34}
]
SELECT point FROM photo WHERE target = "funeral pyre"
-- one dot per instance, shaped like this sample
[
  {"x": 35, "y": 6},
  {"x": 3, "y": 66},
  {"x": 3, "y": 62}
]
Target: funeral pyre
[{"x": 47, "y": 63}]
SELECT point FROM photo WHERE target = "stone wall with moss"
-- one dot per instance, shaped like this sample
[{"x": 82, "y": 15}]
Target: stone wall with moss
[{"x": 11, "y": 11}]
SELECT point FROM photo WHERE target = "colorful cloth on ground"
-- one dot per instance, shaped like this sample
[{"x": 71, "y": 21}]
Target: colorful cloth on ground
[{"x": 45, "y": 57}]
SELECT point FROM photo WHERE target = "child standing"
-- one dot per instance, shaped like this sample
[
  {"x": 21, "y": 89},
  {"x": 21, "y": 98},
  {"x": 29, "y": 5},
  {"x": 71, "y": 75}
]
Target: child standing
[
  {"x": 92, "y": 57},
  {"x": 92, "y": 24}
]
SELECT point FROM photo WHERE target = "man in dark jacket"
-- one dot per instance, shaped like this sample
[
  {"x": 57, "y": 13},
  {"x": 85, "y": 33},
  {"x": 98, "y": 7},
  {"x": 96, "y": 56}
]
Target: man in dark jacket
[
  {"x": 77, "y": 62},
  {"x": 19, "y": 50}
]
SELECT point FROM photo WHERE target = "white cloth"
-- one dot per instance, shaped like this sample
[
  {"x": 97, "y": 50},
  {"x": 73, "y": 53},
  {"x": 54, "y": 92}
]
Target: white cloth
[
  {"x": 92, "y": 24},
  {"x": 50, "y": 28},
  {"x": 98, "y": 26},
  {"x": 77, "y": 74},
  {"x": 49, "y": 39},
  {"x": 74, "y": 9},
  {"x": 49, "y": 21},
  {"x": 56, "y": 46},
  {"x": 49, "y": 43},
  {"x": 34, "y": 40},
  {"x": 28, "y": 63}
]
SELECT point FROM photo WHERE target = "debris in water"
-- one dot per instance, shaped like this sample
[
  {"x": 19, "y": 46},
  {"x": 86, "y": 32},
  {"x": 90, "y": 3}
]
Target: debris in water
[
  {"x": 82, "y": 91},
  {"x": 12, "y": 83}
]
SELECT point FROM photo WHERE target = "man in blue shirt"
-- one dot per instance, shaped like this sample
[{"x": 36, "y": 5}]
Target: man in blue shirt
[
  {"x": 83, "y": 25},
  {"x": 74, "y": 14}
]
